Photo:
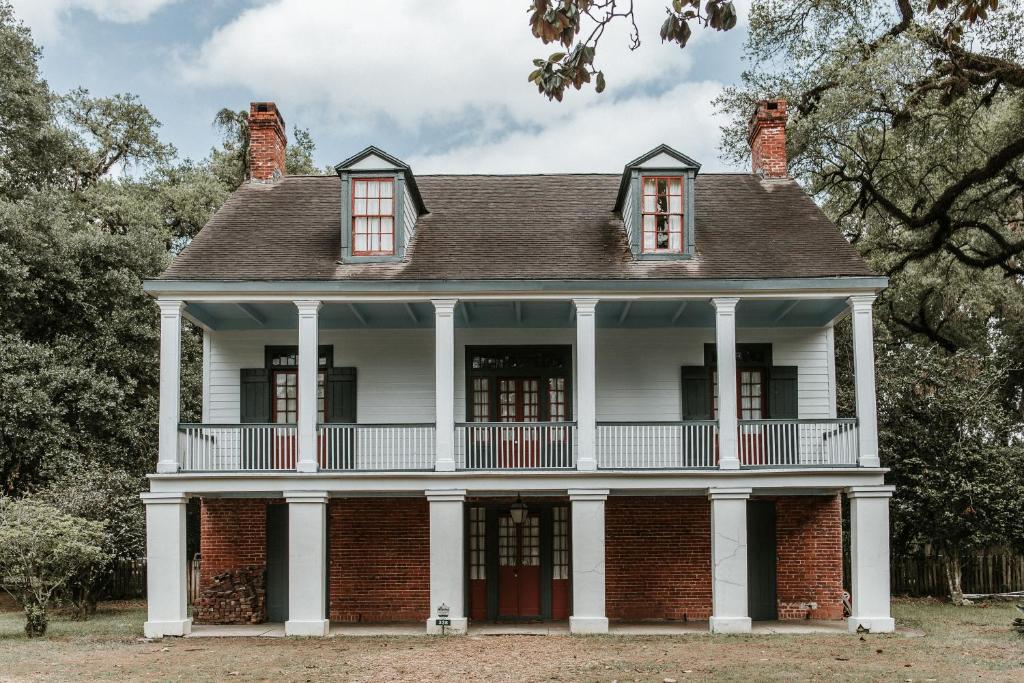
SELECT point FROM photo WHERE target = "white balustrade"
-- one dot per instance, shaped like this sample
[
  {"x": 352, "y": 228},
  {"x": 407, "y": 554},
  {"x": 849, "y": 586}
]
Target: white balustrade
[
  {"x": 798, "y": 443},
  {"x": 656, "y": 445},
  {"x": 384, "y": 447},
  {"x": 227, "y": 448},
  {"x": 515, "y": 445}
]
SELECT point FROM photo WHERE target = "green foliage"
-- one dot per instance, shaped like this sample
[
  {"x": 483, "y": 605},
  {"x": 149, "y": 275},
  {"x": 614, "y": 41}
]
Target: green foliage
[
  {"x": 230, "y": 163},
  {"x": 42, "y": 550}
]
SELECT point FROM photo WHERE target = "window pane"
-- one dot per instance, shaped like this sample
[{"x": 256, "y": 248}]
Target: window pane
[
  {"x": 648, "y": 241},
  {"x": 360, "y": 189},
  {"x": 373, "y": 206},
  {"x": 386, "y": 207},
  {"x": 676, "y": 186},
  {"x": 387, "y": 225},
  {"x": 385, "y": 188},
  {"x": 360, "y": 225},
  {"x": 359, "y": 208},
  {"x": 675, "y": 204},
  {"x": 360, "y": 242},
  {"x": 372, "y": 188},
  {"x": 387, "y": 243},
  {"x": 649, "y": 200},
  {"x": 675, "y": 242},
  {"x": 649, "y": 186}
]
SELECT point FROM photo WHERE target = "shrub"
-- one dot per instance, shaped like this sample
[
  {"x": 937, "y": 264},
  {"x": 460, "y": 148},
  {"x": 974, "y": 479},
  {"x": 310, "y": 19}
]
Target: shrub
[{"x": 43, "y": 549}]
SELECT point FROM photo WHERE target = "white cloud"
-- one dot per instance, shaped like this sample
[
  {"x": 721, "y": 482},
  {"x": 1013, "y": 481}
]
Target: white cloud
[
  {"x": 417, "y": 62},
  {"x": 600, "y": 137},
  {"x": 45, "y": 17}
]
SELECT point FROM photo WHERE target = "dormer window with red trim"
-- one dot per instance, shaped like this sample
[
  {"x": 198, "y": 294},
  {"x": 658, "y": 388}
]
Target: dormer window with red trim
[
  {"x": 373, "y": 216},
  {"x": 662, "y": 215}
]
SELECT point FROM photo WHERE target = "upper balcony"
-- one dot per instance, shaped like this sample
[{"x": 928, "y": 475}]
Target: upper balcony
[{"x": 486, "y": 386}]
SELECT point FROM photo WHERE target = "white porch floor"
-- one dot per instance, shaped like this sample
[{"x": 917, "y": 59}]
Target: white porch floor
[{"x": 651, "y": 628}]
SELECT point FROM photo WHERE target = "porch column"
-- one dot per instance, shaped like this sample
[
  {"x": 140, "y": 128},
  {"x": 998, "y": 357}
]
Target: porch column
[
  {"x": 588, "y": 611},
  {"x": 725, "y": 348},
  {"x": 586, "y": 385},
  {"x": 869, "y": 558},
  {"x": 447, "y": 565},
  {"x": 309, "y": 353},
  {"x": 170, "y": 384},
  {"x": 444, "y": 383},
  {"x": 729, "y": 609},
  {"x": 307, "y": 563},
  {"x": 166, "y": 590},
  {"x": 864, "y": 379}
]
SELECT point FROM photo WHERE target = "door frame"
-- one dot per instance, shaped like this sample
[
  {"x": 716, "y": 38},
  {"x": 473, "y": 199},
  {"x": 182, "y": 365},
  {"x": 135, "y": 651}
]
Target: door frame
[
  {"x": 558, "y": 364},
  {"x": 545, "y": 510}
]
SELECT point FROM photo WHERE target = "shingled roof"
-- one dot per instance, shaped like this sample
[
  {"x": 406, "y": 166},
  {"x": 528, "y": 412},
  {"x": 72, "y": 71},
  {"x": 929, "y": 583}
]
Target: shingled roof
[{"x": 518, "y": 227}]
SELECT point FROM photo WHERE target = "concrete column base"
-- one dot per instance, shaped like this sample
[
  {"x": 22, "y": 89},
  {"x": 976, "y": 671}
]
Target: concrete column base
[
  {"x": 316, "y": 627},
  {"x": 459, "y": 627},
  {"x": 159, "y": 629},
  {"x": 588, "y": 625},
  {"x": 303, "y": 466},
  {"x": 730, "y": 624},
  {"x": 872, "y": 624}
]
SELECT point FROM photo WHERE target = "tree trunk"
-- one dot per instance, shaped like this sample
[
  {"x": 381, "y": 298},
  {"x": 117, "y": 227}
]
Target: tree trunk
[
  {"x": 35, "y": 620},
  {"x": 951, "y": 563}
]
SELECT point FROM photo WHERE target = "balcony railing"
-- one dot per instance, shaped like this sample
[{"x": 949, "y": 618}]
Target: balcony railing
[
  {"x": 377, "y": 448},
  {"x": 798, "y": 443},
  {"x": 518, "y": 446},
  {"x": 515, "y": 445},
  {"x": 233, "y": 447},
  {"x": 273, "y": 447},
  {"x": 657, "y": 445}
]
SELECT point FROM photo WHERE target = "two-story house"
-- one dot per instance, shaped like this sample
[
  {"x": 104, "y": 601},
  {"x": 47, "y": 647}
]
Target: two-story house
[{"x": 581, "y": 397}]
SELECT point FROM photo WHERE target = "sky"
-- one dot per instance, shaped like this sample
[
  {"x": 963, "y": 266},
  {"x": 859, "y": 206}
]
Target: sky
[{"x": 441, "y": 84}]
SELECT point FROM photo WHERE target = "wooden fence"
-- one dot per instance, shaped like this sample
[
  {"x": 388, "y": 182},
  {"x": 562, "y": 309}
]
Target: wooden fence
[
  {"x": 128, "y": 580},
  {"x": 996, "y": 571}
]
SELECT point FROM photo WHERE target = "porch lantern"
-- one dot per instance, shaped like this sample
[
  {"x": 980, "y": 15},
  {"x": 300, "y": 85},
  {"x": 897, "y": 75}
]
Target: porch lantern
[{"x": 518, "y": 511}]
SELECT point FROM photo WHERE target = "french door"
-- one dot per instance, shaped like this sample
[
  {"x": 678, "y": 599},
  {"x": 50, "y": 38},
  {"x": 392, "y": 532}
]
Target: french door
[
  {"x": 751, "y": 404},
  {"x": 284, "y": 410},
  {"x": 519, "y": 567},
  {"x": 519, "y": 401}
]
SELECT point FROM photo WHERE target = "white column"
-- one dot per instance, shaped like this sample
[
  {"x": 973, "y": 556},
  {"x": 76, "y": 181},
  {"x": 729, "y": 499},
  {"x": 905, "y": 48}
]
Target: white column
[
  {"x": 309, "y": 353},
  {"x": 444, "y": 383},
  {"x": 864, "y": 379},
  {"x": 586, "y": 384},
  {"x": 166, "y": 590},
  {"x": 170, "y": 384},
  {"x": 588, "y": 612},
  {"x": 307, "y": 563},
  {"x": 729, "y": 609},
  {"x": 869, "y": 558},
  {"x": 725, "y": 348},
  {"x": 447, "y": 559}
]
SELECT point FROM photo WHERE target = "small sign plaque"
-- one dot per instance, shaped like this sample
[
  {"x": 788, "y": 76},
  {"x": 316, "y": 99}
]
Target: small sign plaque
[{"x": 442, "y": 622}]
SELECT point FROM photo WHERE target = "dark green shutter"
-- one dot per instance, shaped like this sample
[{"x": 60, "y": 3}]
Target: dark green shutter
[
  {"x": 696, "y": 392},
  {"x": 782, "y": 393},
  {"x": 254, "y": 407},
  {"x": 341, "y": 409},
  {"x": 254, "y": 398},
  {"x": 341, "y": 395}
]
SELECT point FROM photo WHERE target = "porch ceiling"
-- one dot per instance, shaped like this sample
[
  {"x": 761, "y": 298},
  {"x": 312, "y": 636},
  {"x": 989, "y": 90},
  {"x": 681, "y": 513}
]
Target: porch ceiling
[{"x": 536, "y": 314}]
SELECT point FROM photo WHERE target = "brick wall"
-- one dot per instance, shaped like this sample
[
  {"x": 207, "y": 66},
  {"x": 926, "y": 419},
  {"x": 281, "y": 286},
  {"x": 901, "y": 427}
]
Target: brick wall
[
  {"x": 380, "y": 559},
  {"x": 809, "y": 536},
  {"x": 233, "y": 534},
  {"x": 658, "y": 558},
  {"x": 767, "y": 137}
]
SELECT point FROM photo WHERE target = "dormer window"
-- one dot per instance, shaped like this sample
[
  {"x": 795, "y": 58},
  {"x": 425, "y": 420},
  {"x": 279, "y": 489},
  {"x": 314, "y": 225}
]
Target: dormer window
[
  {"x": 373, "y": 217},
  {"x": 662, "y": 209},
  {"x": 380, "y": 205},
  {"x": 655, "y": 201}
]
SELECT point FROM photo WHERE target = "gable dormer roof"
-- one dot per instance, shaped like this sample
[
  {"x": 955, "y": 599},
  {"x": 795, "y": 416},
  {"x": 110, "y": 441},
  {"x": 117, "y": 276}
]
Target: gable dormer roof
[
  {"x": 374, "y": 158},
  {"x": 661, "y": 157}
]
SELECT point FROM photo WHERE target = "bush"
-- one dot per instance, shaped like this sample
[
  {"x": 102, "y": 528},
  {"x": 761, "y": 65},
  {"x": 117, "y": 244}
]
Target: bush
[
  {"x": 110, "y": 496},
  {"x": 42, "y": 550}
]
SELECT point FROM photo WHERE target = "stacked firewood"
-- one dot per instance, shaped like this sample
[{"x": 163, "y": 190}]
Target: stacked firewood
[{"x": 238, "y": 596}]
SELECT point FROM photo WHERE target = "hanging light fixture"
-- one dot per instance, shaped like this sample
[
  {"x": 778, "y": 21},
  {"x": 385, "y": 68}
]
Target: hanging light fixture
[{"x": 518, "y": 510}]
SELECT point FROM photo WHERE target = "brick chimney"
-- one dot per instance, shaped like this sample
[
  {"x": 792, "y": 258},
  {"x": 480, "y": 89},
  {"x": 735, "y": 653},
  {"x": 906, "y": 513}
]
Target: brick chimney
[
  {"x": 267, "y": 142},
  {"x": 766, "y": 134}
]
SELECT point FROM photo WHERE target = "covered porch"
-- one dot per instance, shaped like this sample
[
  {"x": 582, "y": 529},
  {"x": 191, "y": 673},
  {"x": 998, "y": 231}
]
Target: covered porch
[{"x": 528, "y": 383}]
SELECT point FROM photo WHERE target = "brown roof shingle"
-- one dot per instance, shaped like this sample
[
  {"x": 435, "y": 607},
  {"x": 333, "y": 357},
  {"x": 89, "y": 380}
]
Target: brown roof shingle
[{"x": 519, "y": 227}]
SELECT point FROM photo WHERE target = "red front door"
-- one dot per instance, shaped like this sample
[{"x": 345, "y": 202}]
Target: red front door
[
  {"x": 284, "y": 410},
  {"x": 519, "y": 401},
  {"x": 519, "y": 567}
]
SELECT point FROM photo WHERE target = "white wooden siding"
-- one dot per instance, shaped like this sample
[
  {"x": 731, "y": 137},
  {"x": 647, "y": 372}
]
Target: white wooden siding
[
  {"x": 637, "y": 370},
  {"x": 409, "y": 215},
  {"x": 628, "y": 216}
]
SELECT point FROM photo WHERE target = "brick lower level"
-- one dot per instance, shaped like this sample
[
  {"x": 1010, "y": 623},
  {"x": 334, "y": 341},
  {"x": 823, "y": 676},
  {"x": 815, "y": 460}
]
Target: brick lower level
[
  {"x": 379, "y": 553},
  {"x": 658, "y": 558},
  {"x": 658, "y": 555}
]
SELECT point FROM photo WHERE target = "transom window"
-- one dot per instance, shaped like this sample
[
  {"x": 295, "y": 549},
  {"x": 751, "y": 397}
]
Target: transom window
[
  {"x": 373, "y": 217},
  {"x": 662, "y": 210}
]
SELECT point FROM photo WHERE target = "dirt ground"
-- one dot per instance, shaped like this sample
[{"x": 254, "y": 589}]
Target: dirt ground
[{"x": 973, "y": 643}]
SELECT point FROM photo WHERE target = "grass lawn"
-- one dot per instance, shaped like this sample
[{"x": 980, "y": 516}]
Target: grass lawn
[{"x": 971, "y": 643}]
